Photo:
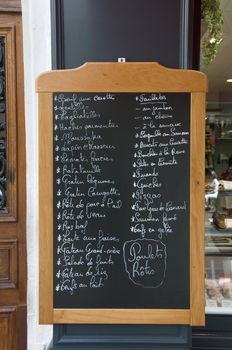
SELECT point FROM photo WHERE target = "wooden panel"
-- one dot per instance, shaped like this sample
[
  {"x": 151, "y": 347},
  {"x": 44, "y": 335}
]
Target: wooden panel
[
  {"x": 121, "y": 316},
  {"x": 197, "y": 176},
  {"x": 3, "y": 333},
  {"x": 123, "y": 77},
  {"x": 21, "y": 166},
  {"x": 8, "y": 32},
  {"x": 10, "y": 5},
  {"x": 46, "y": 208},
  {"x": 8, "y": 263},
  {"x": 4, "y": 264},
  {"x": 21, "y": 319},
  {"x": 7, "y": 328}
]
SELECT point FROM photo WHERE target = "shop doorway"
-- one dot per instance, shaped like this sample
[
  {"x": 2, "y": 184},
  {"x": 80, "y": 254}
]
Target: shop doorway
[{"x": 216, "y": 51}]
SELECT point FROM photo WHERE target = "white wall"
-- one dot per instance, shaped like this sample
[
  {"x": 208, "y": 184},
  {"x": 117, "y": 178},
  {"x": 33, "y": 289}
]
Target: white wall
[{"x": 37, "y": 58}]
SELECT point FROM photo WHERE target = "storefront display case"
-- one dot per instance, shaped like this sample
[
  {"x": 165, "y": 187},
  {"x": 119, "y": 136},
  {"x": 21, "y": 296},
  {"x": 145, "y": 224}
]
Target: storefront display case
[{"x": 218, "y": 214}]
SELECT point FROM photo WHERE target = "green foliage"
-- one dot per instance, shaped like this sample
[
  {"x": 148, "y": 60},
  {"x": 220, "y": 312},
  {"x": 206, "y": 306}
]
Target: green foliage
[{"x": 211, "y": 13}]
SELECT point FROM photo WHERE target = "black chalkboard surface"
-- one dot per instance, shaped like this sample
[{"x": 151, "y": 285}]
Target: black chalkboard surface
[{"x": 121, "y": 200}]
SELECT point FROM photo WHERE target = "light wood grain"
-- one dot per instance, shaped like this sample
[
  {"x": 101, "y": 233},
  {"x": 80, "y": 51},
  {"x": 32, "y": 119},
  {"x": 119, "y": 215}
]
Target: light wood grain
[
  {"x": 121, "y": 316},
  {"x": 197, "y": 175},
  {"x": 122, "y": 77},
  {"x": 45, "y": 208}
]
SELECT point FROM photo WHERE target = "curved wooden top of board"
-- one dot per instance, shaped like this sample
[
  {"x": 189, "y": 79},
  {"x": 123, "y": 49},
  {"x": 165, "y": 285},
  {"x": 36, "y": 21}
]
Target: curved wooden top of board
[{"x": 122, "y": 77}]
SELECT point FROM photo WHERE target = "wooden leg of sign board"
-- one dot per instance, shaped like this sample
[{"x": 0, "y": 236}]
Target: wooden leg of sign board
[
  {"x": 197, "y": 302},
  {"x": 45, "y": 208}
]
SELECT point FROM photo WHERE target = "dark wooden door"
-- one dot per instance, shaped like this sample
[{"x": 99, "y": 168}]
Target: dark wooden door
[{"x": 12, "y": 181}]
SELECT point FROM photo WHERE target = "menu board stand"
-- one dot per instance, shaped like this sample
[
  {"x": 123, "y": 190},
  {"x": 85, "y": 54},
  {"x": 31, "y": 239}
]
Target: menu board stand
[
  {"x": 142, "y": 337},
  {"x": 121, "y": 195}
]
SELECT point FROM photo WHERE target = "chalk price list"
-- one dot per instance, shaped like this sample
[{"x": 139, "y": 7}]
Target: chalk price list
[
  {"x": 160, "y": 145},
  {"x": 85, "y": 196},
  {"x": 90, "y": 144}
]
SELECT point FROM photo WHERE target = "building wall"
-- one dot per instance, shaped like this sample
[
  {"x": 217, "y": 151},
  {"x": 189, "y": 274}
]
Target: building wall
[{"x": 37, "y": 58}]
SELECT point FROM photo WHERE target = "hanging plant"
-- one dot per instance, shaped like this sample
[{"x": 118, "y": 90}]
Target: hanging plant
[{"x": 211, "y": 14}]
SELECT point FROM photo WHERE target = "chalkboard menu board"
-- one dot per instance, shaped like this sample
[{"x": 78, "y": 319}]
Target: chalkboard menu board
[
  {"x": 121, "y": 200},
  {"x": 121, "y": 194}
]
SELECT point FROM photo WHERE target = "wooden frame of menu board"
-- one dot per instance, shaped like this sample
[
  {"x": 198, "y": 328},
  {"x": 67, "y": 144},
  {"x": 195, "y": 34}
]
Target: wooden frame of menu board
[{"x": 110, "y": 78}]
